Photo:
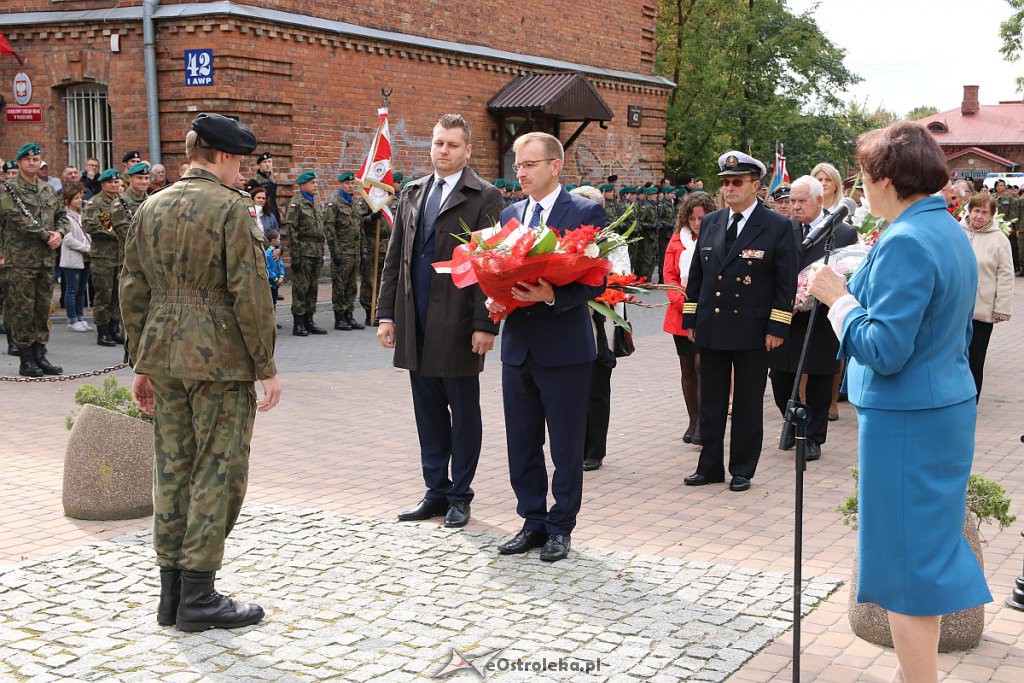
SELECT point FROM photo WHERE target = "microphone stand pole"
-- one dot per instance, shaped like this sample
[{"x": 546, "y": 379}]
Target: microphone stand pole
[{"x": 797, "y": 419}]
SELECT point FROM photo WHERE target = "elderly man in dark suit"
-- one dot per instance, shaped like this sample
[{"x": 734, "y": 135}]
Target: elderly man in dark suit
[
  {"x": 807, "y": 202},
  {"x": 546, "y": 354},
  {"x": 739, "y": 304},
  {"x": 440, "y": 333}
]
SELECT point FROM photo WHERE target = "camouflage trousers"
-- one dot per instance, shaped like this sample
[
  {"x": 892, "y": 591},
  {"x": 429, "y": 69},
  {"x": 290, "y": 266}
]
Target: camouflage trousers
[
  {"x": 344, "y": 279},
  {"x": 201, "y": 468},
  {"x": 3, "y": 295},
  {"x": 27, "y": 305},
  {"x": 105, "y": 305},
  {"x": 366, "y": 290},
  {"x": 304, "y": 285},
  {"x": 646, "y": 254}
]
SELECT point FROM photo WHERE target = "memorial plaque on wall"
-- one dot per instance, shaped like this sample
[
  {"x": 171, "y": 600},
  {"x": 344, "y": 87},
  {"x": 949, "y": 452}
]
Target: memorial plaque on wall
[{"x": 634, "y": 116}]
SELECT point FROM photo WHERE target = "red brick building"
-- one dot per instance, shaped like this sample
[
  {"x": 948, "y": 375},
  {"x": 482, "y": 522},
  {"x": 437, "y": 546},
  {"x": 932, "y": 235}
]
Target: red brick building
[
  {"x": 980, "y": 138},
  {"x": 308, "y": 78}
]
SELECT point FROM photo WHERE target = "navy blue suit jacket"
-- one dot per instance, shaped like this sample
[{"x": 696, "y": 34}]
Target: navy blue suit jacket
[{"x": 562, "y": 334}]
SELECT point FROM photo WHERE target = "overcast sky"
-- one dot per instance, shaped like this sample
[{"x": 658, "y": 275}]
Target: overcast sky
[{"x": 916, "y": 52}]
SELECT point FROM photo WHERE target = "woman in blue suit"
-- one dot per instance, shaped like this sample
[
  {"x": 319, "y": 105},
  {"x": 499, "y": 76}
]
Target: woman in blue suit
[{"x": 905, "y": 324}]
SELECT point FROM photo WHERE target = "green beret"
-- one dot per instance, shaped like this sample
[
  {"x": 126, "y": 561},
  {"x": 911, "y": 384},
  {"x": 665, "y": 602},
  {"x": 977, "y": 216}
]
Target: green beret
[
  {"x": 607, "y": 187},
  {"x": 650, "y": 191},
  {"x": 109, "y": 174},
  {"x": 586, "y": 183},
  {"x": 668, "y": 188},
  {"x": 397, "y": 176},
  {"x": 28, "y": 149},
  {"x": 499, "y": 183},
  {"x": 517, "y": 186},
  {"x": 623, "y": 191},
  {"x": 224, "y": 134},
  {"x": 570, "y": 187},
  {"x": 305, "y": 177},
  {"x": 346, "y": 176},
  {"x": 138, "y": 169},
  {"x": 680, "y": 191}
]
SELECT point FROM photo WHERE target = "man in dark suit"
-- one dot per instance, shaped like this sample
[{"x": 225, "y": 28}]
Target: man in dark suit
[
  {"x": 739, "y": 304},
  {"x": 807, "y": 203},
  {"x": 546, "y": 353},
  {"x": 440, "y": 333}
]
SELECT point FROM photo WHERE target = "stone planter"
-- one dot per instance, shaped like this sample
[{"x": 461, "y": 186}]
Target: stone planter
[
  {"x": 960, "y": 630},
  {"x": 108, "y": 467}
]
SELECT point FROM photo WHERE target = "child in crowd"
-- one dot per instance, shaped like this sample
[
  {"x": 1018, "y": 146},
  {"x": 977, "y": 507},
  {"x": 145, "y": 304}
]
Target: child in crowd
[{"x": 275, "y": 266}]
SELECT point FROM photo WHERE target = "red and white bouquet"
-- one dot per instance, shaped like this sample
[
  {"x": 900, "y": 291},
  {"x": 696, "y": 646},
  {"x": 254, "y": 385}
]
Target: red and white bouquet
[{"x": 499, "y": 257}]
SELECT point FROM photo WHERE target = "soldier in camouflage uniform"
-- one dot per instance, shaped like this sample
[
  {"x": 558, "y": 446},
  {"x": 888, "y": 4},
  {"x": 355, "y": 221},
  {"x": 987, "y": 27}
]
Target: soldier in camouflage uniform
[
  {"x": 127, "y": 204},
  {"x": 200, "y": 326},
  {"x": 105, "y": 257},
  {"x": 343, "y": 218},
  {"x": 647, "y": 217},
  {"x": 611, "y": 207},
  {"x": 667, "y": 209},
  {"x": 34, "y": 224},
  {"x": 304, "y": 223},
  {"x": 11, "y": 348},
  {"x": 367, "y": 279}
]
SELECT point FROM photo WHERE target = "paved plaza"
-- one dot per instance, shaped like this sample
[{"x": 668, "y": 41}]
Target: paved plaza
[{"x": 664, "y": 582}]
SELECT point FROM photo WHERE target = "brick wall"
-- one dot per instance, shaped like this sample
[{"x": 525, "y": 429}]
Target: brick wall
[
  {"x": 310, "y": 97},
  {"x": 533, "y": 27}
]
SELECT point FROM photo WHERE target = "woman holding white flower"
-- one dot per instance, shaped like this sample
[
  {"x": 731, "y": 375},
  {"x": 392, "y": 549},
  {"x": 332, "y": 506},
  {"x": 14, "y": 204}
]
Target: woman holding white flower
[{"x": 994, "y": 301}]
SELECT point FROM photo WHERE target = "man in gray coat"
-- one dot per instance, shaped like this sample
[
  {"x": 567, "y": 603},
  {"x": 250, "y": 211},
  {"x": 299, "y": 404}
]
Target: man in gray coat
[{"x": 440, "y": 333}]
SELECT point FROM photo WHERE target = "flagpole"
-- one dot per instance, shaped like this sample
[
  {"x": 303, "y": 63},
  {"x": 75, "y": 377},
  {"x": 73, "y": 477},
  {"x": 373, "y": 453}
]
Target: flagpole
[{"x": 386, "y": 96}]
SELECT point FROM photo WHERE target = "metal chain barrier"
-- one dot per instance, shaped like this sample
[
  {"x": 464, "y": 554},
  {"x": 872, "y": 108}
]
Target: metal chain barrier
[{"x": 64, "y": 378}]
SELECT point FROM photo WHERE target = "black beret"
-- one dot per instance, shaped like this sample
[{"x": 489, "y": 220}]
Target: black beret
[
  {"x": 613, "y": 178},
  {"x": 224, "y": 134},
  {"x": 263, "y": 157},
  {"x": 129, "y": 156},
  {"x": 10, "y": 165}
]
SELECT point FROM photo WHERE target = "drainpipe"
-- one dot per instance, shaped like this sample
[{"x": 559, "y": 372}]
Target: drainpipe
[{"x": 152, "y": 100}]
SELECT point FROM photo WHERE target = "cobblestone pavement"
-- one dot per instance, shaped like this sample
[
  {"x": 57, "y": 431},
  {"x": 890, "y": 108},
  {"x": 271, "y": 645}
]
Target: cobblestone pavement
[{"x": 355, "y": 599}]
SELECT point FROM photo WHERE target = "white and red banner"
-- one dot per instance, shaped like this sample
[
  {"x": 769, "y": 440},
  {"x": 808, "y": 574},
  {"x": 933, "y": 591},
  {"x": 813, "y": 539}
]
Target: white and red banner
[{"x": 376, "y": 184}]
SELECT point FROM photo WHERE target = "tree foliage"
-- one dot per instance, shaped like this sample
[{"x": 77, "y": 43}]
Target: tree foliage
[
  {"x": 1011, "y": 33},
  {"x": 921, "y": 112},
  {"x": 750, "y": 72}
]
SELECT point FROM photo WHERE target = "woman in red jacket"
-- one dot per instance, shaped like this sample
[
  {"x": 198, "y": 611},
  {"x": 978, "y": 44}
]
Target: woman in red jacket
[{"x": 677, "y": 269}]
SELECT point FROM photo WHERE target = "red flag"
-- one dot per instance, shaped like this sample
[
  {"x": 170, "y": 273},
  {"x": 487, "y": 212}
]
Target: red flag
[
  {"x": 376, "y": 184},
  {"x": 6, "y": 49}
]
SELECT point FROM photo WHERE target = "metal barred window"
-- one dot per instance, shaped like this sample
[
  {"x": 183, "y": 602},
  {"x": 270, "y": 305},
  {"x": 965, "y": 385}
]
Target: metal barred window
[{"x": 89, "y": 127}]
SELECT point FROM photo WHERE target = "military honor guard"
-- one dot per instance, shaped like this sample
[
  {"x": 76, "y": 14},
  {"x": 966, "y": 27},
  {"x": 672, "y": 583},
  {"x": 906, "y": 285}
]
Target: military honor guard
[
  {"x": 196, "y": 282},
  {"x": 343, "y": 219},
  {"x": 304, "y": 224},
  {"x": 34, "y": 222},
  {"x": 739, "y": 306},
  {"x": 105, "y": 257}
]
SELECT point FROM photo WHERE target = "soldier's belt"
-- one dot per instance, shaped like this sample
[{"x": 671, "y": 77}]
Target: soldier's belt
[
  {"x": 191, "y": 296},
  {"x": 784, "y": 317}
]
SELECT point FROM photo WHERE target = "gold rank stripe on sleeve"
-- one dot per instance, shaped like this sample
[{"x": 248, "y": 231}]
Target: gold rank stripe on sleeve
[
  {"x": 689, "y": 307},
  {"x": 784, "y": 317}
]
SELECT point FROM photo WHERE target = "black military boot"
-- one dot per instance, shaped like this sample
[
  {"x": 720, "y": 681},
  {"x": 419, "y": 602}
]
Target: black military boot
[
  {"x": 48, "y": 368},
  {"x": 12, "y": 348},
  {"x": 202, "y": 608},
  {"x": 28, "y": 366},
  {"x": 103, "y": 337},
  {"x": 352, "y": 322},
  {"x": 341, "y": 322},
  {"x": 170, "y": 595},
  {"x": 299, "y": 326},
  {"x": 312, "y": 327},
  {"x": 115, "y": 331}
]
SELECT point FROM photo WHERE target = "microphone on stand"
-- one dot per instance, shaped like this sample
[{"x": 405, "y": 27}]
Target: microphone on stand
[{"x": 826, "y": 227}]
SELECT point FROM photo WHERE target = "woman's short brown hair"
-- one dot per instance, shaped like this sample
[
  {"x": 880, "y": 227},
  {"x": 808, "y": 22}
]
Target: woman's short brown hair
[
  {"x": 195, "y": 152},
  {"x": 986, "y": 200},
  {"x": 70, "y": 191},
  {"x": 905, "y": 153},
  {"x": 691, "y": 202}
]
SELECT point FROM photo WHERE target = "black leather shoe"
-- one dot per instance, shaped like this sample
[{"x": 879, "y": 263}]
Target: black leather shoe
[
  {"x": 426, "y": 509},
  {"x": 522, "y": 542},
  {"x": 103, "y": 337},
  {"x": 739, "y": 484},
  {"x": 457, "y": 515},
  {"x": 48, "y": 368},
  {"x": 312, "y": 327},
  {"x": 352, "y": 322},
  {"x": 341, "y": 322},
  {"x": 698, "y": 479},
  {"x": 790, "y": 441},
  {"x": 299, "y": 326},
  {"x": 201, "y": 607},
  {"x": 557, "y": 548},
  {"x": 813, "y": 450},
  {"x": 28, "y": 367},
  {"x": 688, "y": 435},
  {"x": 591, "y": 464},
  {"x": 170, "y": 596}
]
